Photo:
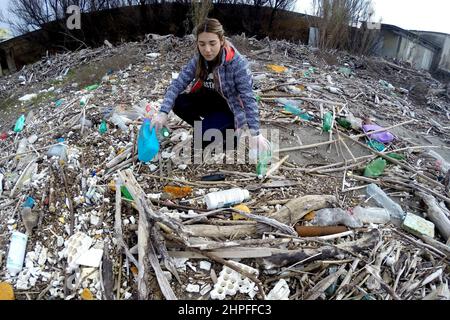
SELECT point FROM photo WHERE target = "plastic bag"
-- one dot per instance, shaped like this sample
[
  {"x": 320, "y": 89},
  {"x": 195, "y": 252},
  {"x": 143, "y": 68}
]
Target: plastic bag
[{"x": 148, "y": 144}]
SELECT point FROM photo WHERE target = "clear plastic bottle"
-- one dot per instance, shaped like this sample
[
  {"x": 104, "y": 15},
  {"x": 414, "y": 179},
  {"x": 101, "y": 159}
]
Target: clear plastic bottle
[
  {"x": 226, "y": 198},
  {"x": 23, "y": 143},
  {"x": 395, "y": 211},
  {"x": 16, "y": 253},
  {"x": 372, "y": 215},
  {"x": 335, "y": 216}
]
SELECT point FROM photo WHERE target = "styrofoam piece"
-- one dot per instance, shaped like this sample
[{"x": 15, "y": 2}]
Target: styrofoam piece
[
  {"x": 193, "y": 288},
  {"x": 230, "y": 282},
  {"x": 76, "y": 246},
  {"x": 205, "y": 265},
  {"x": 280, "y": 291},
  {"x": 90, "y": 258}
]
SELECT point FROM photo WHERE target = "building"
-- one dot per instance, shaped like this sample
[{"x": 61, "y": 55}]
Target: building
[{"x": 429, "y": 51}]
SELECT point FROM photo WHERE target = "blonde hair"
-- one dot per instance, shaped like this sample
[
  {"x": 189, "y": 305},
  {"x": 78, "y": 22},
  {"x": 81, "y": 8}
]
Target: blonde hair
[{"x": 212, "y": 26}]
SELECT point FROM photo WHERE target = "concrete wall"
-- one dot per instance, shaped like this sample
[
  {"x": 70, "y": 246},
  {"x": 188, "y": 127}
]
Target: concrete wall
[
  {"x": 390, "y": 45},
  {"x": 419, "y": 56},
  {"x": 444, "y": 62}
]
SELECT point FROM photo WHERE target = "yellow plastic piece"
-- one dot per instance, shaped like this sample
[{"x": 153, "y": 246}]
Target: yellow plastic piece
[
  {"x": 241, "y": 207},
  {"x": 87, "y": 294},
  {"x": 6, "y": 291},
  {"x": 276, "y": 68}
]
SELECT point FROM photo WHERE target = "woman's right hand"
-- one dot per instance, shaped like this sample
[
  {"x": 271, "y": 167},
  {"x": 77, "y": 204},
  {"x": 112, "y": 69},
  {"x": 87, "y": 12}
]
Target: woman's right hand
[{"x": 159, "y": 121}]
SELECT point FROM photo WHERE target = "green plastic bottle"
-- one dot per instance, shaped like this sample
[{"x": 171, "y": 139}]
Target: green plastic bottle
[
  {"x": 262, "y": 165},
  {"x": 19, "y": 124},
  {"x": 258, "y": 98},
  {"x": 396, "y": 156},
  {"x": 326, "y": 123},
  {"x": 375, "y": 168},
  {"x": 92, "y": 87},
  {"x": 103, "y": 127},
  {"x": 163, "y": 133},
  {"x": 344, "y": 123}
]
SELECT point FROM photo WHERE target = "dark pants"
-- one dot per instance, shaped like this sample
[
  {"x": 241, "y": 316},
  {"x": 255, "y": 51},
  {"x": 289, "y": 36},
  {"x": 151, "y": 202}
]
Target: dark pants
[{"x": 206, "y": 106}]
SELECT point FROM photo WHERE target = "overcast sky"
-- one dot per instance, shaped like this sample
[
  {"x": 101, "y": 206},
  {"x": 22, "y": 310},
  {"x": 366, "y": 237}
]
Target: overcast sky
[{"x": 428, "y": 15}]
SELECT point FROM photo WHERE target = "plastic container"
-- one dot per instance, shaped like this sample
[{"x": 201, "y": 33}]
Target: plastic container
[
  {"x": 375, "y": 168},
  {"x": 20, "y": 123},
  {"x": 372, "y": 215},
  {"x": 59, "y": 150},
  {"x": 226, "y": 198},
  {"x": 327, "y": 121},
  {"x": 148, "y": 144},
  {"x": 395, "y": 211},
  {"x": 16, "y": 253}
]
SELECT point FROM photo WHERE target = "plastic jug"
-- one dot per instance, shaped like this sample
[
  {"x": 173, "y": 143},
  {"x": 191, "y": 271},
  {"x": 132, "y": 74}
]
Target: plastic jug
[{"x": 148, "y": 144}]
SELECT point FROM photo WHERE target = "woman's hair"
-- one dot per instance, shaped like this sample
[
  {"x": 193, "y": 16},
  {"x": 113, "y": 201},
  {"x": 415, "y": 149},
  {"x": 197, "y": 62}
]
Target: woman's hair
[{"x": 212, "y": 26}]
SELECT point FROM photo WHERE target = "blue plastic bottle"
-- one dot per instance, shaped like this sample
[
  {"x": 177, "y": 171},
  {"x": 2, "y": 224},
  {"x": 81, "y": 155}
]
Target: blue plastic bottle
[{"x": 148, "y": 145}]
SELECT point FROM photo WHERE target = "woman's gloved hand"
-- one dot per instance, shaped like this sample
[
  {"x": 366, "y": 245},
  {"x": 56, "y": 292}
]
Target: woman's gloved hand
[
  {"x": 259, "y": 145},
  {"x": 159, "y": 121}
]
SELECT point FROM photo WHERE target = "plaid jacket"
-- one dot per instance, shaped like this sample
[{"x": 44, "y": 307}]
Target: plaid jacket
[{"x": 233, "y": 80}]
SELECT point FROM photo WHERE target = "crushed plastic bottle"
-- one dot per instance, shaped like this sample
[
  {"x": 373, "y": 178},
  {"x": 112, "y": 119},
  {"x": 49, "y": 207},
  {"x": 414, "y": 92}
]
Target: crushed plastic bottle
[
  {"x": 59, "y": 150},
  {"x": 20, "y": 123},
  {"x": 375, "y": 145},
  {"x": 335, "y": 216},
  {"x": 375, "y": 168},
  {"x": 395, "y": 211},
  {"x": 148, "y": 144}
]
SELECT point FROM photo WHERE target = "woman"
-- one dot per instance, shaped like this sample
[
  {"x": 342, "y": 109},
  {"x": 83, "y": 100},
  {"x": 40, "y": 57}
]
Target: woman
[{"x": 221, "y": 96}]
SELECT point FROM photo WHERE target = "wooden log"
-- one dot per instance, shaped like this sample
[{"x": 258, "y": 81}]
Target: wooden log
[{"x": 436, "y": 214}]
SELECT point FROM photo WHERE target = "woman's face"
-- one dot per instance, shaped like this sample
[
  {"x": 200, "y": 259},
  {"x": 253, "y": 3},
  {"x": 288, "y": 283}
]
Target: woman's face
[{"x": 209, "y": 45}]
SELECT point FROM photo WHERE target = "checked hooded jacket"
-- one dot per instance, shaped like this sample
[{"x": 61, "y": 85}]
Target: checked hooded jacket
[{"x": 232, "y": 79}]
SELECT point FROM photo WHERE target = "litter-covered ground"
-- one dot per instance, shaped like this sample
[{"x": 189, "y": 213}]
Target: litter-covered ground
[{"x": 353, "y": 205}]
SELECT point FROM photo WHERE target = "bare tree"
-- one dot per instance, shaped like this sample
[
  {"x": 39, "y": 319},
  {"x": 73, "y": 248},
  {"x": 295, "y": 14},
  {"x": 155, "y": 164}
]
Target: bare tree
[
  {"x": 279, "y": 5},
  {"x": 339, "y": 21}
]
